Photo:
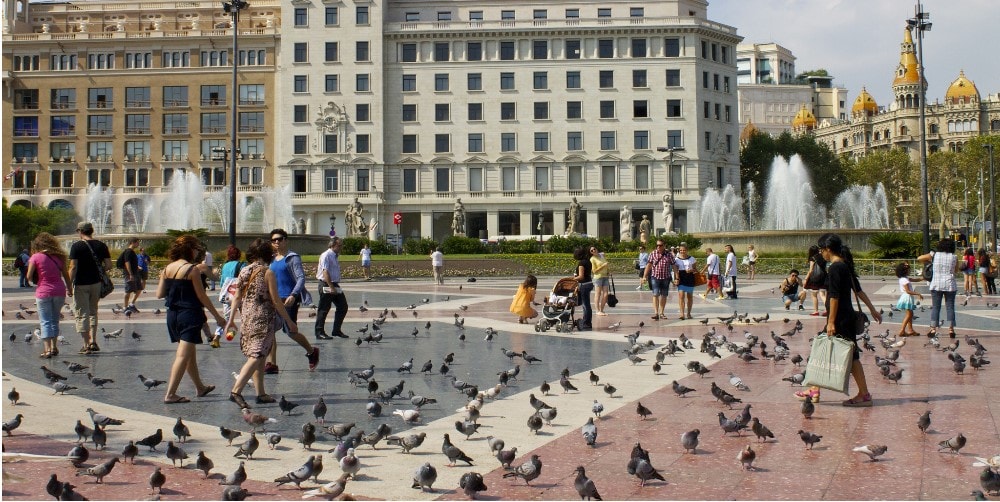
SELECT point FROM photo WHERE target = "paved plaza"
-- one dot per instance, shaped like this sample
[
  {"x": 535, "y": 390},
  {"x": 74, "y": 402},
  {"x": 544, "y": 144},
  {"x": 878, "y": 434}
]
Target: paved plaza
[{"x": 912, "y": 468}]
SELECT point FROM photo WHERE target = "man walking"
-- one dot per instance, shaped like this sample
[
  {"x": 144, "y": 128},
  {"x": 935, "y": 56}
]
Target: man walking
[
  {"x": 730, "y": 273},
  {"x": 287, "y": 269},
  {"x": 437, "y": 264},
  {"x": 328, "y": 273},
  {"x": 711, "y": 272},
  {"x": 129, "y": 261},
  {"x": 85, "y": 256},
  {"x": 658, "y": 274},
  {"x": 21, "y": 264}
]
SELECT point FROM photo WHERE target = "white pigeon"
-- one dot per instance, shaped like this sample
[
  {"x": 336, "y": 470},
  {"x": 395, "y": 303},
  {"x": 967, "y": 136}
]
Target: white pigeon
[
  {"x": 737, "y": 382},
  {"x": 330, "y": 490},
  {"x": 236, "y": 376},
  {"x": 409, "y": 416},
  {"x": 993, "y": 462}
]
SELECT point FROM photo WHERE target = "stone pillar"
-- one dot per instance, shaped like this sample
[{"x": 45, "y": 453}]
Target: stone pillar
[
  {"x": 592, "y": 223},
  {"x": 527, "y": 225},
  {"x": 558, "y": 222},
  {"x": 426, "y": 224},
  {"x": 492, "y": 223},
  {"x": 311, "y": 223}
]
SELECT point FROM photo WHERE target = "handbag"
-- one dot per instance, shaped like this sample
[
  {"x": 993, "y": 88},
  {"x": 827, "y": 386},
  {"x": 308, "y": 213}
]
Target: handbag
[
  {"x": 928, "y": 272},
  {"x": 727, "y": 286},
  {"x": 700, "y": 279},
  {"x": 612, "y": 297},
  {"x": 861, "y": 321},
  {"x": 830, "y": 361},
  {"x": 107, "y": 287}
]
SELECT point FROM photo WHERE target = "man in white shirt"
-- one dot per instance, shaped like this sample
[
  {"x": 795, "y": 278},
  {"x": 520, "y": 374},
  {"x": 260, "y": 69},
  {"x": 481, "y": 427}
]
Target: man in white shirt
[
  {"x": 437, "y": 263},
  {"x": 730, "y": 271},
  {"x": 711, "y": 272},
  {"x": 330, "y": 293}
]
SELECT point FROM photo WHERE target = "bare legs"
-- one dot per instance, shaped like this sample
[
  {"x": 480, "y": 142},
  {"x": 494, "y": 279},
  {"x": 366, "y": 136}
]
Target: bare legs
[
  {"x": 601, "y": 299},
  {"x": 254, "y": 367},
  {"x": 684, "y": 301},
  {"x": 185, "y": 361}
]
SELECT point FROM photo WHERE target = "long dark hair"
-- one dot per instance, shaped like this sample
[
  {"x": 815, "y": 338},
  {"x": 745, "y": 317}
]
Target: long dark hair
[
  {"x": 580, "y": 253},
  {"x": 836, "y": 246}
]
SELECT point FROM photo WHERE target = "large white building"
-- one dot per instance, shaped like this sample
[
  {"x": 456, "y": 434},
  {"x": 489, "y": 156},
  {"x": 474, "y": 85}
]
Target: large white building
[{"x": 516, "y": 108}]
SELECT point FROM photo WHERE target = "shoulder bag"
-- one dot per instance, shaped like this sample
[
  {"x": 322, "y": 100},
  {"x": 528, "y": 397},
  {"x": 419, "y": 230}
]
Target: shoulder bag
[
  {"x": 107, "y": 287},
  {"x": 612, "y": 297},
  {"x": 830, "y": 361}
]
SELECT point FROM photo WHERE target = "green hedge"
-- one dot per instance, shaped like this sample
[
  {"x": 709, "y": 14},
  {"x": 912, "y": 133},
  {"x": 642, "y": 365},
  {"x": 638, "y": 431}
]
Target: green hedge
[
  {"x": 353, "y": 246},
  {"x": 463, "y": 245},
  {"x": 421, "y": 247},
  {"x": 518, "y": 246}
]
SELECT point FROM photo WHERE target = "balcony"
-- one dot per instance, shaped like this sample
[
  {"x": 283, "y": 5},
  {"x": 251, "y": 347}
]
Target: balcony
[
  {"x": 63, "y": 132},
  {"x": 23, "y": 191},
  {"x": 138, "y": 131},
  {"x": 26, "y": 105},
  {"x": 64, "y": 105},
  {"x": 251, "y": 129},
  {"x": 213, "y": 102},
  {"x": 26, "y": 132},
  {"x": 99, "y": 132},
  {"x": 137, "y": 103},
  {"x": 61, "y": 191},
  {"x": 136, "y": 190},
  {"x": 99, "y": 105},
  {"x": 214, "y": 130},
  {"x": 252, "y": 102},
  {"x": 175, "y": 103},
  {"x": 175, "y": 130}
]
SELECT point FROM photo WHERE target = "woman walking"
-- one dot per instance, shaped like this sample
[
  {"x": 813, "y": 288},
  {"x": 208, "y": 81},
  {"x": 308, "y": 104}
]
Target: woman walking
[
  {"x": 640, "y": 266},
  {"x": 601, "y": 275},
  {"x": 259, "y": 305},
  {"x": 181, "y": 285},
  {"x": 752, "y": 261},
  {"x": 48, "y": 260},
  {"x": 987, "y": 271},
  {"x": 685, "y": 268},
  {"x": 366, "y": 261},
  {"x": 944, "y": 265},
  {"x": 584, "y": 277},
  {"x": 968, "y": 267}
]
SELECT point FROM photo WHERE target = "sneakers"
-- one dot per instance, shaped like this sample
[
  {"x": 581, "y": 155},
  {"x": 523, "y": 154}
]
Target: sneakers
[
  {"x": 270, "y": 369},
  {"x": 864, "y": 402},
  {"x": 812, "y": 394},
  {"x": 720, "y": 297},
  {"x": 313, "y": 358},
  {"x": 215, "y": 342},
  {"x": 321, "y": 335},
  {"x": 132, "y": 308},
  {"x": 703, "y": 296},
  {"x": 801, "y": 307}
]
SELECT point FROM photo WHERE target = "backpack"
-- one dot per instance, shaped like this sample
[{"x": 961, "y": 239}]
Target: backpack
[{"x": 19, "y": 262}]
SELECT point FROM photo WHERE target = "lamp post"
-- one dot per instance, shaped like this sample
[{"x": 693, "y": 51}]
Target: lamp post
[
  {"x": 541, "y": 219},
  {"x": 920, "y": 23},
  {"x": 233, "y": 8},
  {"x": 333, "y": 223},
  {"x": 378, "y": 216},
  {"x": 993, "y": 200}
]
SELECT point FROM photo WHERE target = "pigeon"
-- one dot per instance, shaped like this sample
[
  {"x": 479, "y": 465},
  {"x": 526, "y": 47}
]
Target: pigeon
[
  {"x": 924, "y": 422},
  {"x": 567, "y": 385},
  {"x": 100, "y": 437},
  {"x": 408, "y": 416},
  {"x": 229, "y": 434},
  {"x": 472, "y": 483},
  {"x": 536, "y": 403},
  {"x": 809, "y": 438},
  {"x": 78, "y": 455},
  {"x": 286, "y": 406},
  {"x": 642, "y": 411},
  {"x": 467, "y": 428},
  {"x": 52, "y": 376},
  {"x": 418, "y": 400},
  {"x": 299, "y": 475},
  {"x": 737, "y": 382},
  {"x": 99, "y": 382},
  {"x": 373, "y": 409},
  {"x": 453, "y": 453},
  {"x": 61, "y": 388},
  {"x": 237, "y": 477},
  {"x": 130, "y": 451},
  {"x": 746, "y": 457},
  {"x": 641, "y": 468},
  {"x": 204, "y": 464},
  {"x": 535, "y": 422},
  {"x": 495, "y": 444},
  {"x": 506, "y": 457},
  {"x": 597, "y": 409},
  {"x": 407, "y": 443},
  {"x": 14, "y": 423},
  {"x": 729, "y": 425},
  {"x": 339, "y": 430},
  {"x": 330, "y": 490},
  {"x": 175, "y": 453},
  {"x": 149, "y": 383},
  {"x": 13, "y": 396},
  {"x": 679, "y": 389},
  {"x": 256, "y": 419},
  {"x": 760, "y": 430},
  {"x": 610, "y": 390},
  {"x": 744, "y": 417},
  {"x": 590, "y": 432},
  {"x": 156, "y": 480},
  {"x": 527, "y": 471},
  {"x": 872, "y": 450},
  {"x": 954, "y": 444},
  {"x": 54, "y": 486},
  {"x": 152, "y": 440},
  {"x": 181, "y": 431},
  {"x": 308, "y": 435},
  {"x": 101, "y": 470},
  {"x": 795, "y": 378},
  {"x": 235, "y": 492},
  {"x": 424, "y": 477},
  {"x": 548, "y": 414},
  {"x": 689, "y": 440},
  {"x": 990, "y": 481},
  {"x": 248, "y": 447},
  {"x": 585, "y": 486},
  {"x": 807, "y": 408},
  {"x": 350, "y": 464},
  {"x": 75, "y": 367},
  {"x": 273, "y": 438},
  {"x": 67, "y": 493}
]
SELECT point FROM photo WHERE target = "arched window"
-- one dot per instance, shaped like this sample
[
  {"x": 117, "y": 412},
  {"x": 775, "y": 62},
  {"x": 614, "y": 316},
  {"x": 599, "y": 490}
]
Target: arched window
[
  {"x": 934, "y": 128},
  {"x": 902, "y": 130},
  {"x": 844, "y": 143},
  {"x": 973, "y": 125},
  {"x": 878, "y": 136}
]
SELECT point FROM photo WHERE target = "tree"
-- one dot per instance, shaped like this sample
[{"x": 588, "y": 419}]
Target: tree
[
  {"x": 972, "y": 160},
  {"x": 803, "y": 78},
  {"x": 894, "y": 169},
  {"x": 22, "y": 224},
  {"x": 943, "y": 186}
]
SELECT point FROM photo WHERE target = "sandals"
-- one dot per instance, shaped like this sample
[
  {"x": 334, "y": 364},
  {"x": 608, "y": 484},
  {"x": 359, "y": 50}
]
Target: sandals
[
  {"x": 93, "y": 347},
  {"x": 84, "y": 350},
  {"x": 45, "y": 355},
  {"x": 238, "y": 399},
  {"x": 864, "y": 402},
  {"x": 265, "y": 399},
  {"x": 178, "y": 400},
  {"x": 206, "y": 391},
  {"x": 951, "y": 333},
  {"x": 655, "y": 317}
]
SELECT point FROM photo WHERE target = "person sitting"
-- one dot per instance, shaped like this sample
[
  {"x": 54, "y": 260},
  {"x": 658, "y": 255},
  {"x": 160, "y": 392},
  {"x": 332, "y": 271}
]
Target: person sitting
[{"x": 790, "y": 290}]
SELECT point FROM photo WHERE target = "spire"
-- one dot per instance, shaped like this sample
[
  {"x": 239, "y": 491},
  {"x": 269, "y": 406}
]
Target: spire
[{"x": 907, "y": 72}]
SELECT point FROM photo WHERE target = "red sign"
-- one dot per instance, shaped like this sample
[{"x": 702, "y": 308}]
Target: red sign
[{"x": 397, "y": 218}]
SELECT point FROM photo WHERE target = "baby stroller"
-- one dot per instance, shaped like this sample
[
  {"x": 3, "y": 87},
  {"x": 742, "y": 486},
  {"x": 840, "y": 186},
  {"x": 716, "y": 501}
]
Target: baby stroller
[{"x": 558, "y": 308}]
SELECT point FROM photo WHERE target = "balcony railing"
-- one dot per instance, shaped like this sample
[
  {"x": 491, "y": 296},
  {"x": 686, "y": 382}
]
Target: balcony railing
[
  {"x": 175, "y": 103},
  {"x": 251, "y": 128},
  {"x": 175, "y": 130},
  {"x": 136, "y": 189},
  {"x": 99, "y": 132},
  {"x": 138, "y": 130},
  {"x": 26, "y": 105},
  {"x": 213, "y": 130},
  {"x": 64, "y": 105},
  {"x": 251, "y": 102},
  {"x": 213, "y": 102},
  {"x": 63, "y": 132},
  {"x": 26, "y": 132},
  {"x": 98, "y": 104},
  {"x": 137, "y": 103}
]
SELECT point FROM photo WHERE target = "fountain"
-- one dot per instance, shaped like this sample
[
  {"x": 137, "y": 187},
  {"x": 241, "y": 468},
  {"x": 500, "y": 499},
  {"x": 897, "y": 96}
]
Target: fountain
[
  {"x": 99, "y": 207},
  {"x": 862, "y": 207},
  {"x": 721, "y": 212},
  {"x": 790, "y": 203}
]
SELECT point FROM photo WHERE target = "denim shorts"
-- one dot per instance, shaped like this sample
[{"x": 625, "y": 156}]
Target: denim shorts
[
  {"x": 602, "y": 282},
  {"x": 659, "y": 287},
  {"x": 685, "y": 289}
]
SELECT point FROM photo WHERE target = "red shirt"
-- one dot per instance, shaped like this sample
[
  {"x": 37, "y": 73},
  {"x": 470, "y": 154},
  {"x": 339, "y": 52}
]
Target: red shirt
[{"x": 660, "y": 265}]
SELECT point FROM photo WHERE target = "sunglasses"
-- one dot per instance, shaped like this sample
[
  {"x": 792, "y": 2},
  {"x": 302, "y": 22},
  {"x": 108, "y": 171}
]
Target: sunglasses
[{"x": 277, "y": 239}]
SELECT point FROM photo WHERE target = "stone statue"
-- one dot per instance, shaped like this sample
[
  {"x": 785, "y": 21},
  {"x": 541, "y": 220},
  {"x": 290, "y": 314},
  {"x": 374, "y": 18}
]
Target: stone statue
[
  {"x": 668, "y": 213},
  {"x": 574, "y": 217},
  {"x": 302, "y": 225},
  {"x": 354, "y": 220},
  {"x": 458, "y": 219},
  {"x": 626, "y": 224},
  {"x": 644, "y": 228}
]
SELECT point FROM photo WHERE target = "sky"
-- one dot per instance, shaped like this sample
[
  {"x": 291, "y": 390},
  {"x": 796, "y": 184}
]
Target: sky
[{"x": 857, "y": 41}]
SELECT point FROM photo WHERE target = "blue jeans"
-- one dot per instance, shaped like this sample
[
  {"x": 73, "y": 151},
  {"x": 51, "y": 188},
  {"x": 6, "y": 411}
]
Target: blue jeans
[
  {"x": 48, "y": 314},
  {"x": 949, "y": 298},
  {"x": 588, "y": 312}
]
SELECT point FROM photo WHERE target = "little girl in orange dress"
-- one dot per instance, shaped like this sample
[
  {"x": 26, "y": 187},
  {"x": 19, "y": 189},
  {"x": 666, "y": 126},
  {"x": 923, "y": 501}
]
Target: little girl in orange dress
[{"x": 523, "y": 300}]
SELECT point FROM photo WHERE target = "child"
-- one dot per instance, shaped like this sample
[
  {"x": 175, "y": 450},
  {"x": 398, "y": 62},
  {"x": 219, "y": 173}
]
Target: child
[
  {"x": 906, "y": 303},
  {"x": 523, "y": 300}
]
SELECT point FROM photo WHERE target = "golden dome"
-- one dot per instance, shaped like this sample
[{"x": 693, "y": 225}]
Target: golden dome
[
  {"x": 748, "y": 131},
  {"x": 804, "y": 118},
  {"x": 906, "y": 72},
  {"x": 961, "y": 88},
  {"x": 865, "y": 104}
]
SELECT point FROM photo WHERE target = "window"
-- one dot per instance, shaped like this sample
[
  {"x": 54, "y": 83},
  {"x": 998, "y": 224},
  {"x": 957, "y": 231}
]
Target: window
[
  {"x": 26, "y": 152},
  {"x": 574, "y": 141},
  {"x": 361, "y": 16},
  {"x": 572, "y": 13},
  {"x": 542, "y": 177},
  {"x": 607, "y": 109},
  {"x": 541, "y": 80},
  {"x": 640, "y": 140},
  {"x": 474, "y": 51},
  {"x": 300, "y": 83},
  {"x": 607, "y": 79},
  {"x": 176, "y": 59},
  {"x": 251, "y": 94},
  {"x": 361, "y": 52},
  {"x": 636, "y": 12},
  {"x": 362, "y": 180},
  {"x": 441, "y": 83},
  {"x": 640, "y": 109},
  {"x": 214, "y": 149},
  {"x": 408, "y": 53},
  {"x": 301, "y": 17},
  {"x": 673, "y": 108},
  {"x": 331, "y": 16},
  {"x": 603, "y": 12},
  {"x": 63, "y": 178},
  {"x": 137, "y": 97},
  {"x": 725, "y": 54},
  {"x": 136, "y": 150},
  {"x": 442, "y": 179},
  {"x": 608, "y": 140},
  {"x": 572, "y": 49},
  {"x": 61, "y": 98},
  {"x": 100, "y": 177},
  {"x": 674, "y": 139},
  {"x": 442, "y": 143},
  {"x": 507, "y": 81},
  {"x": 508, "y": 142},
  {"x": 138, "y": 60},
  {"x": 100, "y": 151},
  {"x": 251, "y": 146},
  {"x": 362, "y": 112},
  {"x": 541, "y": 110},
  {"x": 704, "y": 80},
  {"x": 331, "y": 52},
  {"x": 102, "y": 61},
  {"x": 363, "y": 142},
  {"x": 608, "y": 178},
  {"x": 444, "y": 15},
  {"x": 672, "y": 47},
  {"x": 175, "y": 150},
  {"x": 475, "y": 179},
  {"x": 300, "y": 52},
  {"x": 362, "y": 82},
  {"x": 642, "y": 177},
  {"x": 139, "y": 123},
  {"x": 64, "y": 62},
  {"x": 507, "y": 50},
  {"x": 331, "y": 180},
  {"x": 605, "y": 48},
  {"x": 331, "y": 83},
  {"x": 213, "y": 123},
  {"x": 62, "y": 125},
  {"x": 299, "y": 181},
  {"x": 715, "y": 51},
  {"x": 706, "y": 109},
  {"x": 27, "y": 99},
  {"x": 26, "y": 127},
  {"x": 62, "y": 150},
  {"x": 508, "y": 179},
  {"x": 475, "y": 111},
  {"x": 708, "y": 140},
  {"x": 574, "y": 109},
  {"x": 174, "y": 96},
  {"x": 507, "y": 15},
  {"x": 99, "y": 125},
  {"x": 26, "y": 63},
  {"x": 299, "y": 144},
  {"x": 475, "y": 82},
  {"x": 409, "y": 83},
  {"x": 253, "y": 57},
  {"x": 442, "y": 51},
  {"x": 639, "y": 78},
  {"x": 540, "y": 49},
  {"x": 329, "y": 143},
  {"x": 409, "y": 113},
  {"x": 573, "y": 80},
  {"x": 540, "y": 14},
  {"x": 715, "y": 81},
  {"x": 508, "y": 111},
  {"x": 704, "y": 50},
  {"x": 638, "y": 47},
  {"x": 541, "y": 142},
  {"x": 409, "y": 180},
  {"x": 442, "y": 112},
  {"x": 725, "y": 84},
  {"x": 412, "y": 17},
  {"x": 476, "y": 15},
  {"x": 718, "y": 114},
  {"x": 476, "y": 143},
  {"x": 100, "y": 97},
  {"x": 729, "y": 143},
  {"x": 409, "y": 143},
  {"x": 673, "y": 78}
]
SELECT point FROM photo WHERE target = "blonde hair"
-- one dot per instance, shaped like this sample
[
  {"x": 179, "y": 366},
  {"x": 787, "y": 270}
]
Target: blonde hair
[{"x": 46, "y": 243}]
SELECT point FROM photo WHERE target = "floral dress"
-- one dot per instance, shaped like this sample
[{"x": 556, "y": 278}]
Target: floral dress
[{"x": 257, "y": 312}]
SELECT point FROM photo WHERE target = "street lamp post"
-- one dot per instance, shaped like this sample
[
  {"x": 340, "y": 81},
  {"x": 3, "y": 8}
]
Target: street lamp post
[
  {"x": 233, "y": 8},
  {"x": 920, "y": 23},
  {"x": 993, "y": 200},
  {"x": 541, "y": 220}
]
